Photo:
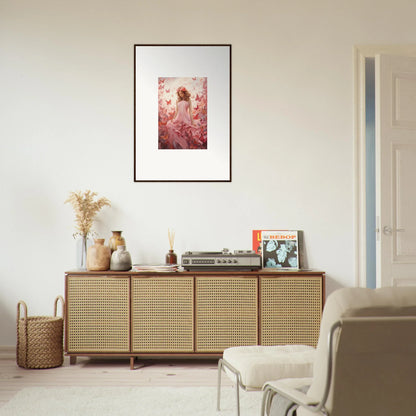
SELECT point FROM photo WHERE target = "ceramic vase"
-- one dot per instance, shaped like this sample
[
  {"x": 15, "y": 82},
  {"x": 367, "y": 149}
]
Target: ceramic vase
[
  {"x": 98, "y": 256},
  {"x": 120, "y": 259},
  {"x": 116, "y": 240},
  {"x": 171, "y": 257}
]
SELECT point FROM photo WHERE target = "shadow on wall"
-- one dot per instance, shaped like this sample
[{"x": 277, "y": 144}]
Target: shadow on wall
[
  {"x": 331, "y": 285},
  {"x": 7, "y": 325}
]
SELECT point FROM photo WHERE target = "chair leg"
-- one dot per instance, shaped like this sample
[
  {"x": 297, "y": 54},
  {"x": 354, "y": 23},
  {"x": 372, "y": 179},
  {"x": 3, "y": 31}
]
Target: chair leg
[
  {"x": 221, "y": 365},
  {"x": 219, "y": 383},
  {"x": 237, "y": 389},
  {"x": 265, "y": 402}
]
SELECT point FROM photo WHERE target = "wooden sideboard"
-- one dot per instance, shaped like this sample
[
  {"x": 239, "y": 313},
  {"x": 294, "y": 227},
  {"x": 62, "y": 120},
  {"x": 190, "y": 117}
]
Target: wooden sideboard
[{"x": 189, "y": 313}]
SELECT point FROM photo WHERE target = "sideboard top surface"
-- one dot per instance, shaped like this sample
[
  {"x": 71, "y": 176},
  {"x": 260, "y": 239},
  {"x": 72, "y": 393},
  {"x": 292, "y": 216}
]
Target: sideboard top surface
[{"x": 261, "y": 272}]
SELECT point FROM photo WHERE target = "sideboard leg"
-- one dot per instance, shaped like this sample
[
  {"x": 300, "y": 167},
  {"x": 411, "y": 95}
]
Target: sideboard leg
[
  {"x": 72, "y": 360},
  {"x": 132, "y": 363}
]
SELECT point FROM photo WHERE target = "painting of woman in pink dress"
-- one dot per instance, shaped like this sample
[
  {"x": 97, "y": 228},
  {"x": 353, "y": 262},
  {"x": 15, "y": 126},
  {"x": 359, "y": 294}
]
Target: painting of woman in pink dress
[{"x": 182, "y": 124}]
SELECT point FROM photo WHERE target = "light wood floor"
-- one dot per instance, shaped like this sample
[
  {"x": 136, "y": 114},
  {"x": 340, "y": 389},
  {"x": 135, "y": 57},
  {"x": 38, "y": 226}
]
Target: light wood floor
[{"x": 106, "y": 372}]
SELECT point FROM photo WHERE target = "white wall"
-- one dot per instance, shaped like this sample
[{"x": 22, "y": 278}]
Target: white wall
[{"x": 66, "y": 123}]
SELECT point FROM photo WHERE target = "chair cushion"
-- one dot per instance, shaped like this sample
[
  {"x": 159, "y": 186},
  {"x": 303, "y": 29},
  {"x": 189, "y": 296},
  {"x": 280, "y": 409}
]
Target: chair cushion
[{"x": 258, "y": 363}]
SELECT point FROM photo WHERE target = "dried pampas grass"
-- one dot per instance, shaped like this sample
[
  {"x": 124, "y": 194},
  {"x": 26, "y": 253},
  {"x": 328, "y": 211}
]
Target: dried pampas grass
[{"x": 86, "y": 209}]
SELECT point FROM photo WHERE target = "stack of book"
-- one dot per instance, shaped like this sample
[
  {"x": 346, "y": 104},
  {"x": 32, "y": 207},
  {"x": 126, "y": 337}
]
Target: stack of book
[{"x": 155, "y": 268}]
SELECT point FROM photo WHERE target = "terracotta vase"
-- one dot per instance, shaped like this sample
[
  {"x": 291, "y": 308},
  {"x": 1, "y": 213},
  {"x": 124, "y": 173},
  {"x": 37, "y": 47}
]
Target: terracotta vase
[
  {"x": 98, "y": 256},
  {"x": 116, "y": 240},
  {"x": 120, "y": 259}
]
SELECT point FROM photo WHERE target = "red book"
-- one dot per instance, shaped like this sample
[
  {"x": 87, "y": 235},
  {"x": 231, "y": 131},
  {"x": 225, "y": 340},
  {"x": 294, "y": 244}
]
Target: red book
[{"x": 257, "y": 241}]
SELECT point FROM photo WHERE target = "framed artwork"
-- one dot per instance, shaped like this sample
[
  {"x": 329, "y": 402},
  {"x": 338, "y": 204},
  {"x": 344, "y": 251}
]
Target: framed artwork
[{"x": 182, "y": 113}]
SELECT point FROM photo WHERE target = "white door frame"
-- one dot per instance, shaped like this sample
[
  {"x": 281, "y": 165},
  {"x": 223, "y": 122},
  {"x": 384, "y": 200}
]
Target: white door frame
[{"x": 360, "y": 53}]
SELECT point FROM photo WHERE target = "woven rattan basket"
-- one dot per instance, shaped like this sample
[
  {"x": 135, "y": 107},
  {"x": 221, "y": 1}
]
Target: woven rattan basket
[{"x": 40, "y": 339}]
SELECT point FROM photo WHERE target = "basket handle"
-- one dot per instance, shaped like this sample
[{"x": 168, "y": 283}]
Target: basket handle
[
  {"x": 21, "y": 303},
  {"x": 24, "y": 340},
  {"x": 56, "y": 306}
]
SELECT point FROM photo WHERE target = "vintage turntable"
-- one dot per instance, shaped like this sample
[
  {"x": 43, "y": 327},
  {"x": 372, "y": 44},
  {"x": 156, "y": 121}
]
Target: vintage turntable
[{"x": 221, "y": 260}]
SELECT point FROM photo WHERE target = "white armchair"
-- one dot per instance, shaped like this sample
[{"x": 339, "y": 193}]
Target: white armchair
[{"x": 365, "y": 362}]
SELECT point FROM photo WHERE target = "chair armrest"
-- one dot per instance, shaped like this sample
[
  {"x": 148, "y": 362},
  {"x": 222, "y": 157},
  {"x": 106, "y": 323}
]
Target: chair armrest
[
  {"x": 288, "y": 388},
  {"x": 294, "y": 383}
]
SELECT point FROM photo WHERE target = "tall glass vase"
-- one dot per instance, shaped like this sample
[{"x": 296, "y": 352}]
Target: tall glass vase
[{"x": 82, "y": 246}]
